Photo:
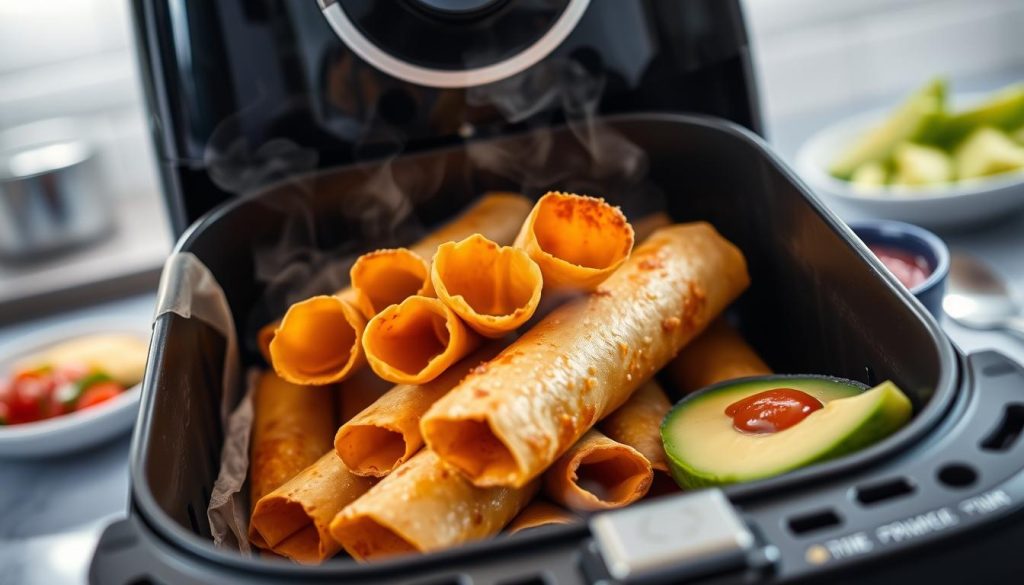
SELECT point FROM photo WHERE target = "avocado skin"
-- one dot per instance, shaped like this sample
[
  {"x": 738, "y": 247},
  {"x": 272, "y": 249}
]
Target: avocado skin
[{"x": 889, "y": 416}]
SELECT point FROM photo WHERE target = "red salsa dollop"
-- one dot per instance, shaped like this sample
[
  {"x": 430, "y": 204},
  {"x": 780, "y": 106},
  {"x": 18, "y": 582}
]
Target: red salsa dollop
[
  {"x": 910, "y": 269},
  {"x": 771, "y": 411}
]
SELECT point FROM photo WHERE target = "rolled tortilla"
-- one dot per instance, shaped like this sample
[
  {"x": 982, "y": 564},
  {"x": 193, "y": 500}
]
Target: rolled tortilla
[
  {"x": 425, "y": 506},
  {"x": 387, "y": 277},
  {"x": 387, "y": 433},
  {"x": 719, "y": 354},
  {"x": 493, "y": 288},
  {"x": 577, "y": 241},
  {"x": 585, "y": 359},
  {"x": 497, "y": 216},
  {"x": 540, "y": 513},
  {"x": 598, "y": 473},
  {"x": 294, "y": 519},
  {"x": 416, "y": 341},
  {"x": 290, "y": 424},
  {"x": 288, "y": 430},
  {"x": 318, "y": 341},
  {"x": 637, "y": 423}
]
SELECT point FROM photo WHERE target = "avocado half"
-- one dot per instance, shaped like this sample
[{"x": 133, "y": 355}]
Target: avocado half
[{"x": 704, "y": 449}]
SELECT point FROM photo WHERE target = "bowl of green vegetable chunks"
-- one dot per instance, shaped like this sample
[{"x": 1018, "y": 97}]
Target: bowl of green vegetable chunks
[{"x": 935, "y": 160}]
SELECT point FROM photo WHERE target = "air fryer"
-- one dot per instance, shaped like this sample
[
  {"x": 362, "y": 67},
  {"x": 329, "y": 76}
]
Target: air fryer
[{"x": 364, "y": 123}]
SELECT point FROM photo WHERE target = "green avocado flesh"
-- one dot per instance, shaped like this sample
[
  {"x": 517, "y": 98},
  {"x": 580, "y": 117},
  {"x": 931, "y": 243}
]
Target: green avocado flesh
[
  {"x": 910, "y": 121},
  {"x": 704, "y": 449}
]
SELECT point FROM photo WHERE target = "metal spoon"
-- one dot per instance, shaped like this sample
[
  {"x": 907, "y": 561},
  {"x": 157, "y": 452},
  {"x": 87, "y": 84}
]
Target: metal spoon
[{"x": 977, "y": 297}]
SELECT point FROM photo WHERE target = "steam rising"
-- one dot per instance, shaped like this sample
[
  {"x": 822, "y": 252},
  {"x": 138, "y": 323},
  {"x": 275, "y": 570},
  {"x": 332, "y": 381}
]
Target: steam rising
[
  {"x": 376, "y": 203},
  {"x": 602, "y": 162}
]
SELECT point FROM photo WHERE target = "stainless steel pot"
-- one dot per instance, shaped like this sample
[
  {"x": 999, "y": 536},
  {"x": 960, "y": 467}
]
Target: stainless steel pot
[{"x": 51, "y": 196}]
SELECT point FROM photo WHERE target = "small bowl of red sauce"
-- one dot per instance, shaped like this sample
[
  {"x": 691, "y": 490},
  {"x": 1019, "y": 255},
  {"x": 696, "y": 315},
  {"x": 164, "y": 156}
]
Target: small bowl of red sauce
[{"x": 915, "y": 256}]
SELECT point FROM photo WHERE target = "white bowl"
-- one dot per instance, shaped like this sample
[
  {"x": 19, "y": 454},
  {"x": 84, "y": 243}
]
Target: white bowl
[
  {"x": 941, "y": 206},
  {"x": 76, "y": 430}
]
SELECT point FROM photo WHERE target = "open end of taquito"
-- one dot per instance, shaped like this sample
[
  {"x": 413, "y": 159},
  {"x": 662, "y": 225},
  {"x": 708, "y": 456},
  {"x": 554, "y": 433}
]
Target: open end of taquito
[
  {"x": 294, "y": 520},
  {"x": 637, "y": 423},
  {"x": 473, "y": 447},
  {"x": 598, "y": 473},
  {"x": 371, "y": 450},
  {"x": 424, "y": 506},
  {"x": 387, "y": 277},
  {"x": 291, "y": 532},
  {"x": 495, "y": 289},
  {"x": 540, "y": 513},
  {"x": 386, "y": 433},
  {"x": 416, "y": 340},
  {"x": 318, "y": 341},
  {"x": 263, "y": 338},
  {"x": 577, "y": 241}
]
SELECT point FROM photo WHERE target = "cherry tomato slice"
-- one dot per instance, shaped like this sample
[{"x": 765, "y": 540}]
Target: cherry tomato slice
[{"x": 98, "y": 393}]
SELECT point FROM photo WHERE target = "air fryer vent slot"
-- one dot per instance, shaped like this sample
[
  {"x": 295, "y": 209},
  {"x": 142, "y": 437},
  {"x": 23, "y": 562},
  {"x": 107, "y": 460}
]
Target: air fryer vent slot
[
  {"x": 1008, "y": 431},
  {"x": 537, "y": 580},
  {"x": 814, "y": 521},
  {"x": 879, "y": 492}
]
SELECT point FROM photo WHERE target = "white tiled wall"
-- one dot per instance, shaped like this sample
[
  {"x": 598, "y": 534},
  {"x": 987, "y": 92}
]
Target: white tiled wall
[{"x": 822, "y": 54}]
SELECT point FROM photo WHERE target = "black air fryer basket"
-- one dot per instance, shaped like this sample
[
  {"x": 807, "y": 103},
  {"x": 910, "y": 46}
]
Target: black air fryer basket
[{"x": 938, "y": 500}]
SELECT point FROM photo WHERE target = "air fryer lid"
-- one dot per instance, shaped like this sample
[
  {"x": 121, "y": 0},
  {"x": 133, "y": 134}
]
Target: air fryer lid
[{"x": 453, "y": 43}]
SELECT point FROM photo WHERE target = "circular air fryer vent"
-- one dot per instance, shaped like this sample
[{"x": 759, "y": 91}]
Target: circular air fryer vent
[{"x": 453, "y": 43}]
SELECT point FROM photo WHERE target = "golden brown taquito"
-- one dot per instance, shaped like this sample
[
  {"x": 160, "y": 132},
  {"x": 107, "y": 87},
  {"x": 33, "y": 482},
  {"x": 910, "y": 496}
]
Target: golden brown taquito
[
  {"x": 387, "y": 433},
  {"x": 289, "y": 425},
  {"x": 359, "y": 392},
  {"x": 416, "y": 340},
  {"x": 637, "y": 423},
  {"x": 425, "y": 505},
  {"x": 719, "y": 354},
  {"x": 293, "y": 520},
  {"x": 506, "y": 424},
  {"x": 598, "y": 473},
  {"x": 318, "y": 341},
  {"x": 577, "y": 241},
  {"x": 385, "y": 277},
  {"x": 540, "y": 513},
  {"x": 497, "y": 216},
  {"x": 493, "y": 288}
]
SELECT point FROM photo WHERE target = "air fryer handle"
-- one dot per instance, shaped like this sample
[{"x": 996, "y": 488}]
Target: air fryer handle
[{"x": 122, "y": 557}]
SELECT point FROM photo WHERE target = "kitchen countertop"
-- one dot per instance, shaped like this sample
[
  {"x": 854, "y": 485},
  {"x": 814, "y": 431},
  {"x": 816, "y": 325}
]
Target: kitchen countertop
[
  {"x": 52, "y": 511},
  {"x": 125, "y": 262}
]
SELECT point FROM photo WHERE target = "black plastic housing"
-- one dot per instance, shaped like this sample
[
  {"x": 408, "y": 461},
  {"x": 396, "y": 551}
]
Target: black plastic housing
[
  {"x": 819, "y": 303},
  {"x": 242, "y": 93}
]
